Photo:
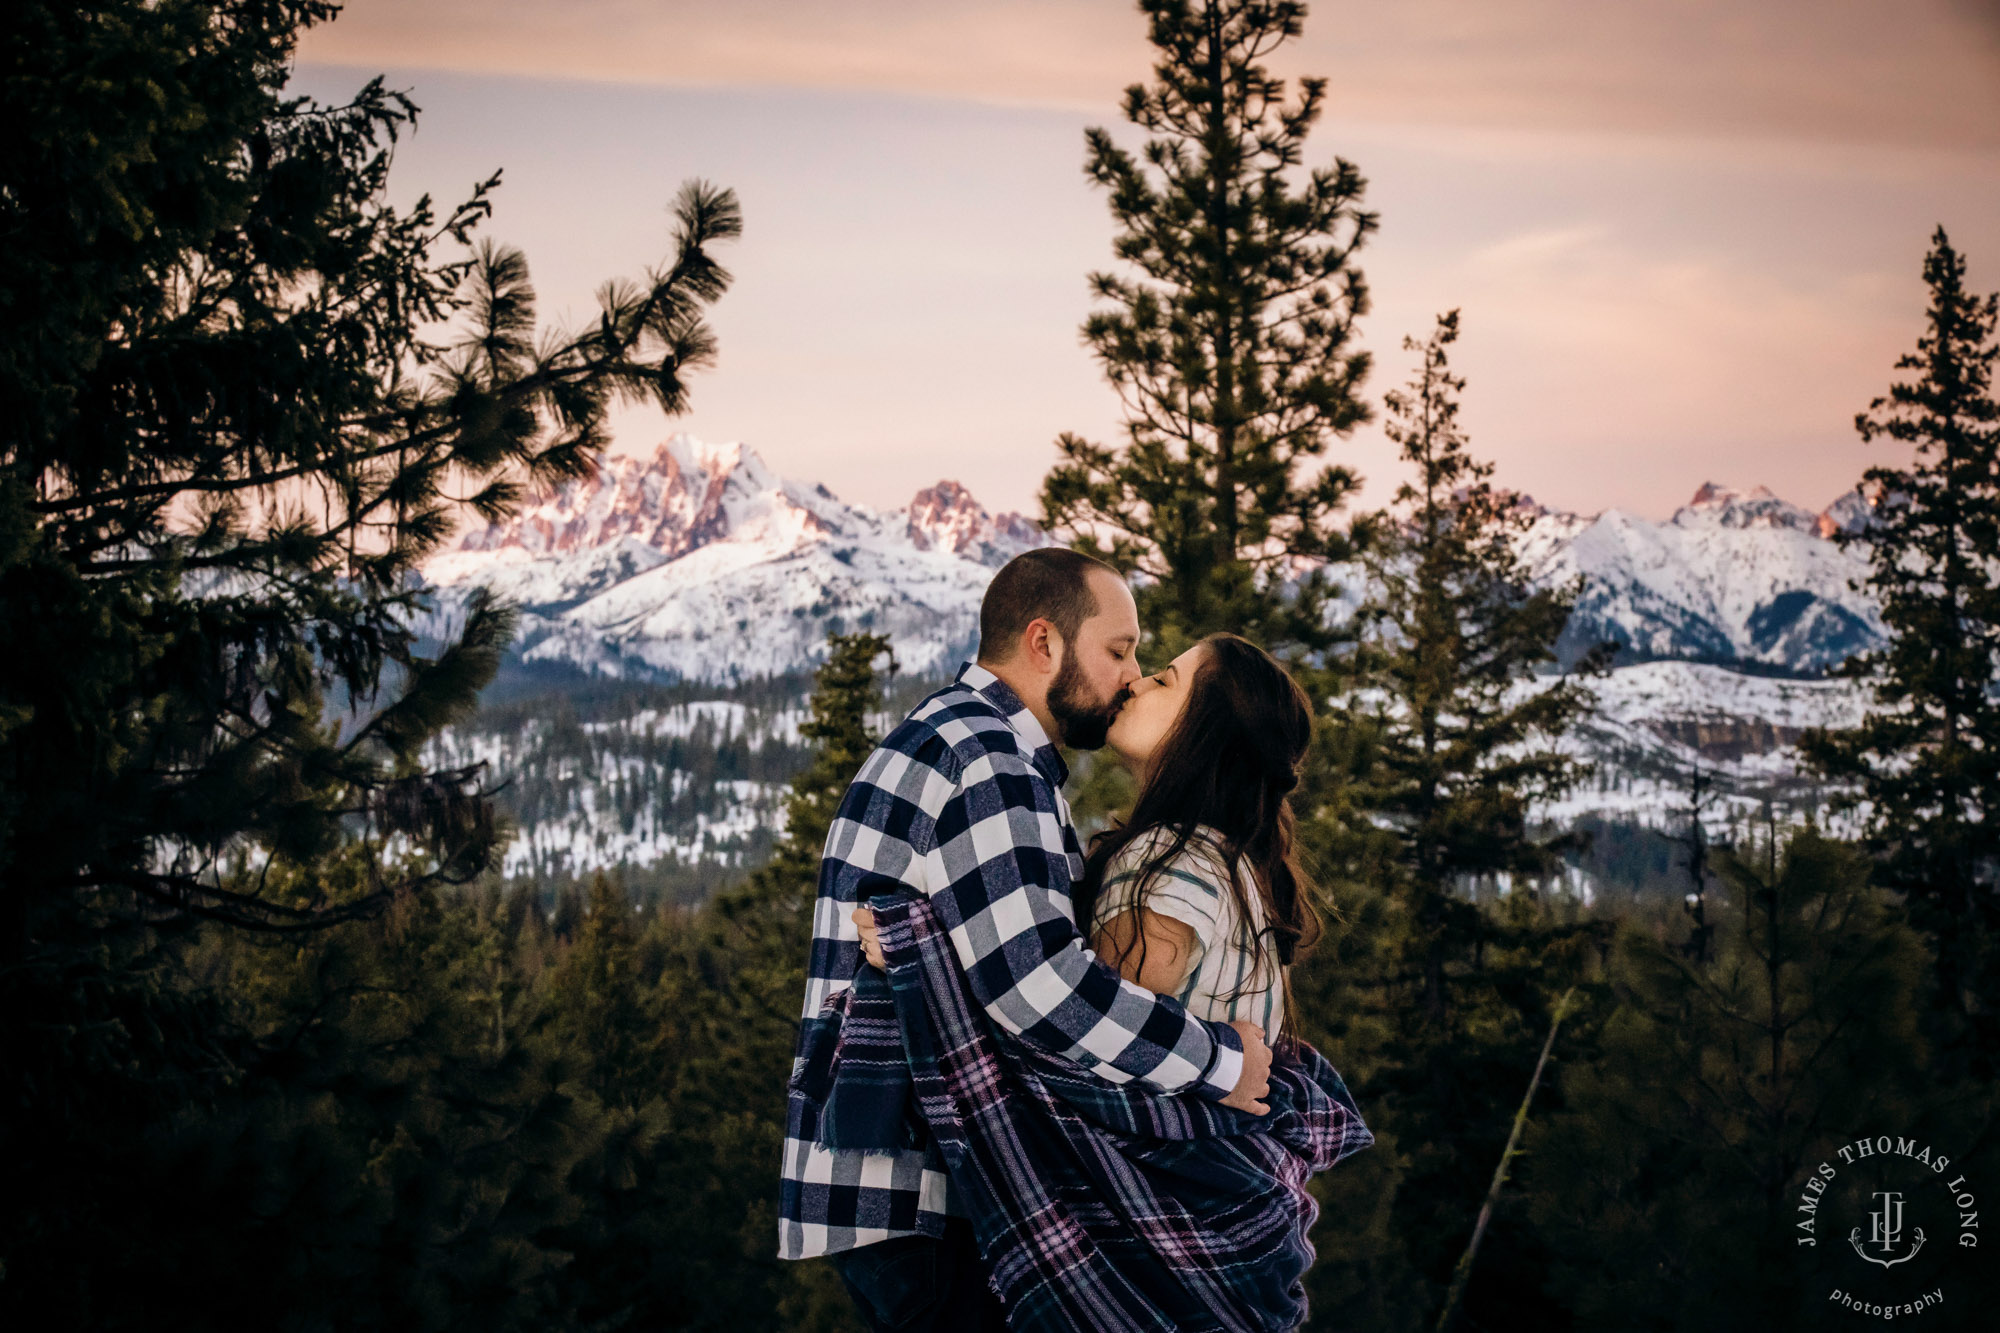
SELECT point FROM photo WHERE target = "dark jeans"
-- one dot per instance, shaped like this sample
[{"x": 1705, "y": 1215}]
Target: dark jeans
[{"x": 921, "y": 1284}]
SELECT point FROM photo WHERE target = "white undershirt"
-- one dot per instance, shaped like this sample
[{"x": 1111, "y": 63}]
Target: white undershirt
[{"x": 1194, "y": 888}]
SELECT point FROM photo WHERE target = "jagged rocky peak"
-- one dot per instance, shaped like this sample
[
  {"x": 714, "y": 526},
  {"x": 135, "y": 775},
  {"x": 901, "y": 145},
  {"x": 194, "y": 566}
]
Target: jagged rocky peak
[
  {"x": 685, "y": 494},
  {"x": 698, "y": 560},
  {"x": 945, "y": 517},
  {"x": 1724, "y": 506},
  {"x": 1854, "y": 510}
]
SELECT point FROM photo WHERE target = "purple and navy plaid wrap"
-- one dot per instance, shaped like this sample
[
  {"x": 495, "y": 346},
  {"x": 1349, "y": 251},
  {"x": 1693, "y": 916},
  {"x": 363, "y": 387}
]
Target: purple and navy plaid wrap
[{"x": 1110, "y": 1207}]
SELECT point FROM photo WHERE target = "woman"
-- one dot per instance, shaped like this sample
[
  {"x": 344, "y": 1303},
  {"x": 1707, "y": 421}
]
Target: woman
[
  {"x": 1197, "y": 895},
  {"x": 1202, "y": 1212}
]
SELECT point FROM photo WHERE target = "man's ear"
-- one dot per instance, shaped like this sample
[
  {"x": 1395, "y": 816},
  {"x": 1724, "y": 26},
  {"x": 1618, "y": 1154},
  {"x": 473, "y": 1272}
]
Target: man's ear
[{"x": 1044, "y": 644}]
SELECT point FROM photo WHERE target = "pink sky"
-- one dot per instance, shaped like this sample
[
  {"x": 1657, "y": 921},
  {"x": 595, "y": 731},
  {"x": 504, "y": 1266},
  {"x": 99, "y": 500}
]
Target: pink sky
[{"x": 1685, "y": 236}]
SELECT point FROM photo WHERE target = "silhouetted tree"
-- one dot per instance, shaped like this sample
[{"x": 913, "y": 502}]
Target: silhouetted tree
[
  {"x": 1437, "y": 992},
  {"x": 1230, "y": 337},
  {"x": 1926, "y": 758},
  {"x": 1462, "y": 730},
  {"x": 254, "y": 397},
  {"x": 732, "y": 1003},
  {"x": 241, "y": 397}
]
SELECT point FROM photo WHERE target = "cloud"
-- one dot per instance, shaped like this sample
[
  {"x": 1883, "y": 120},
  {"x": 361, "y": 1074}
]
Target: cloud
[
  {"x": 1686, "y": 236},
  {"x": 1916, "y": 72}
]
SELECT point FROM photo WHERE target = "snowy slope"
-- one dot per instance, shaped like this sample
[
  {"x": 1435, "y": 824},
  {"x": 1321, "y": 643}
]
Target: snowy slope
[
  {"x": 1657, "y": 723},
  {"x": 700, "y": 562},
  {"x": 616, "y": 789},
  {"x": 598, "y": 794},
  {"x": 1730, "y": 577}
]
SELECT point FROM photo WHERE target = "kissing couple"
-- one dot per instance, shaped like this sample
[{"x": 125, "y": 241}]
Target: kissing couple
[{"x": 1039, "y": 1090}]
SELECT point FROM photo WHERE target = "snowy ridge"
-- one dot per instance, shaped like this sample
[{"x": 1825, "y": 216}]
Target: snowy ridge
[
  {"x": 600, "y": 794},
  {"x": 699, "y": 563},
  {"x": 1657, "y": 723},
  {"x": 1732, "y": 576},
  {"x": 588, "y": 838},
  {"x": 702, "y": 563},
  {"x": 617, "y": 792}
]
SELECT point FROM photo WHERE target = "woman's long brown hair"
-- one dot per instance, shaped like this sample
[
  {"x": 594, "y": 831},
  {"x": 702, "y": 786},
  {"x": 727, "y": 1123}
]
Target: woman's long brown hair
[{"x": 1229, "y": 763}]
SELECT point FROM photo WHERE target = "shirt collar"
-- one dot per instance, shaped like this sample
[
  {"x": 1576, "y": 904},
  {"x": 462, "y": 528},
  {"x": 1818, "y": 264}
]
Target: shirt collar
[{"x": 1042, "y": 751}]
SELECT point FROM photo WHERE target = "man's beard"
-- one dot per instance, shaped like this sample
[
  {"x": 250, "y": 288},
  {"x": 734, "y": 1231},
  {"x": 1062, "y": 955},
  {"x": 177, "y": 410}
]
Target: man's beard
[{"x": 1082, "y": 721}]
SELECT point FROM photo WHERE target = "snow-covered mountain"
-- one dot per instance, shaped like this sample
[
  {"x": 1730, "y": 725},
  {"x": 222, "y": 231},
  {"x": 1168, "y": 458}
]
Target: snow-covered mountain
[
  {"x": 700, "y": 562},
  {"x": 1731, "y": 577},
  {"x": 1656, "y": 723},
  {"x": 691, "y": 786}
]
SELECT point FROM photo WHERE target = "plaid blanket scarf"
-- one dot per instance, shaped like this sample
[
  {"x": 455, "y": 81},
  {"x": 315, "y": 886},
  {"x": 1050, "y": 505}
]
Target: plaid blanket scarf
[{"x": 1099, "y": 1207}]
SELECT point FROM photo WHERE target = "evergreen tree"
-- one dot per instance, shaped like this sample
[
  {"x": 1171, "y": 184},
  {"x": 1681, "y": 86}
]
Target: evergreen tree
[
  {"x": 847, "y": 689},
  {"x": 1666, "y": 1188},
  {"x": 1926, "y": 759},
  {"x": 232, "y": 431},
  {"x": 1460, "y": 747},
  {"x": 595, "y": 997},
  {"x": 1701, "y": 791},
  {"x": 370, "y": 1148},
  {"x": 241, "y": 396},
  {"x": 1230, "y": 341},
  {"x": 732, "y": 1001},
  {"x": 1438, "y": 994}
]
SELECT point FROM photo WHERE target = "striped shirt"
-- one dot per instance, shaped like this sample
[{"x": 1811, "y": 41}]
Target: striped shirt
[
  {"x": 1224, "y": 981},
  {"x": 963, "y": 802}
]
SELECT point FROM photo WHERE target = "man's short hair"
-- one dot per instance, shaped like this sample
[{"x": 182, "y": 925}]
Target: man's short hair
[{"x": 1050, "y": 583}]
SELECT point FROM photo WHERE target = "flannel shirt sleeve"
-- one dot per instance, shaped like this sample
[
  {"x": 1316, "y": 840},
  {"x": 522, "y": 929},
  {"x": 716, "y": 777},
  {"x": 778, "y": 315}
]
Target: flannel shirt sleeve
[{"x": 999, "y": 852}]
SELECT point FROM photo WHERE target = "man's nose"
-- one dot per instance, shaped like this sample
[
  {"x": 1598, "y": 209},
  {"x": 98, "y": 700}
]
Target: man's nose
[{"x": 1129, "y": 671}]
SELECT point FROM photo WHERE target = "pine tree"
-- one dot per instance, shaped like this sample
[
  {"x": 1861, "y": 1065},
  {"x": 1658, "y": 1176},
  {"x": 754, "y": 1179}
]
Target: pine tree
[
  {"x": 847, "y": 690},
  {"x": 1926, "y": 759},
  {"x": 368, "y": 1148},
  {"x": 1437, "y": 996},
  {"x": 596, "y": 998},
  {"x": 1462, "y": 733},
  {"x": 731, "y": 999},
  {"x": 241, "y": 397},
  {"x": 1230, "y": 341},
  {"x": 244, "y": 396},
  {"x": 1695, "y": 842}
]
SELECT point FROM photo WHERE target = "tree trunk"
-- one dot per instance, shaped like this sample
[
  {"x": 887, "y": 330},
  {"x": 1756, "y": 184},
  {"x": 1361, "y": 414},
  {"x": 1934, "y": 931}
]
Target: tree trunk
[{"x": 1462, "y": 1271}]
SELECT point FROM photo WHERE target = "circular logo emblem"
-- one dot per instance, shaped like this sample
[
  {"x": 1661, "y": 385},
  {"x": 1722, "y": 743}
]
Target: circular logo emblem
[{"x": 1883, "y": 1221}]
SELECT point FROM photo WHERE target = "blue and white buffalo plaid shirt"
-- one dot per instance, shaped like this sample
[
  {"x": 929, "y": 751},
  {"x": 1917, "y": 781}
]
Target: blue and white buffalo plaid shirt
[{"x": 963, "y": 802}]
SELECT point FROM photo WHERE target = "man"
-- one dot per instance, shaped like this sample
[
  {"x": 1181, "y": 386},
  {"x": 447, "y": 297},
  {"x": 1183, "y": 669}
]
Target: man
[{"x": 964, "y": 803}]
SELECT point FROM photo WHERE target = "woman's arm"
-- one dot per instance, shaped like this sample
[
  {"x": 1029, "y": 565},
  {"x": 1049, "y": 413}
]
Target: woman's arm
[
  {"x": 1159, "y": 959},
  {"x": 1159, "y": 962}
]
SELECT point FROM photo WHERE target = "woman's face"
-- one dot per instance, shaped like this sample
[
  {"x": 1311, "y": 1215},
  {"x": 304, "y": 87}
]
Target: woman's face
[{"x": 1150, "y": 713}]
